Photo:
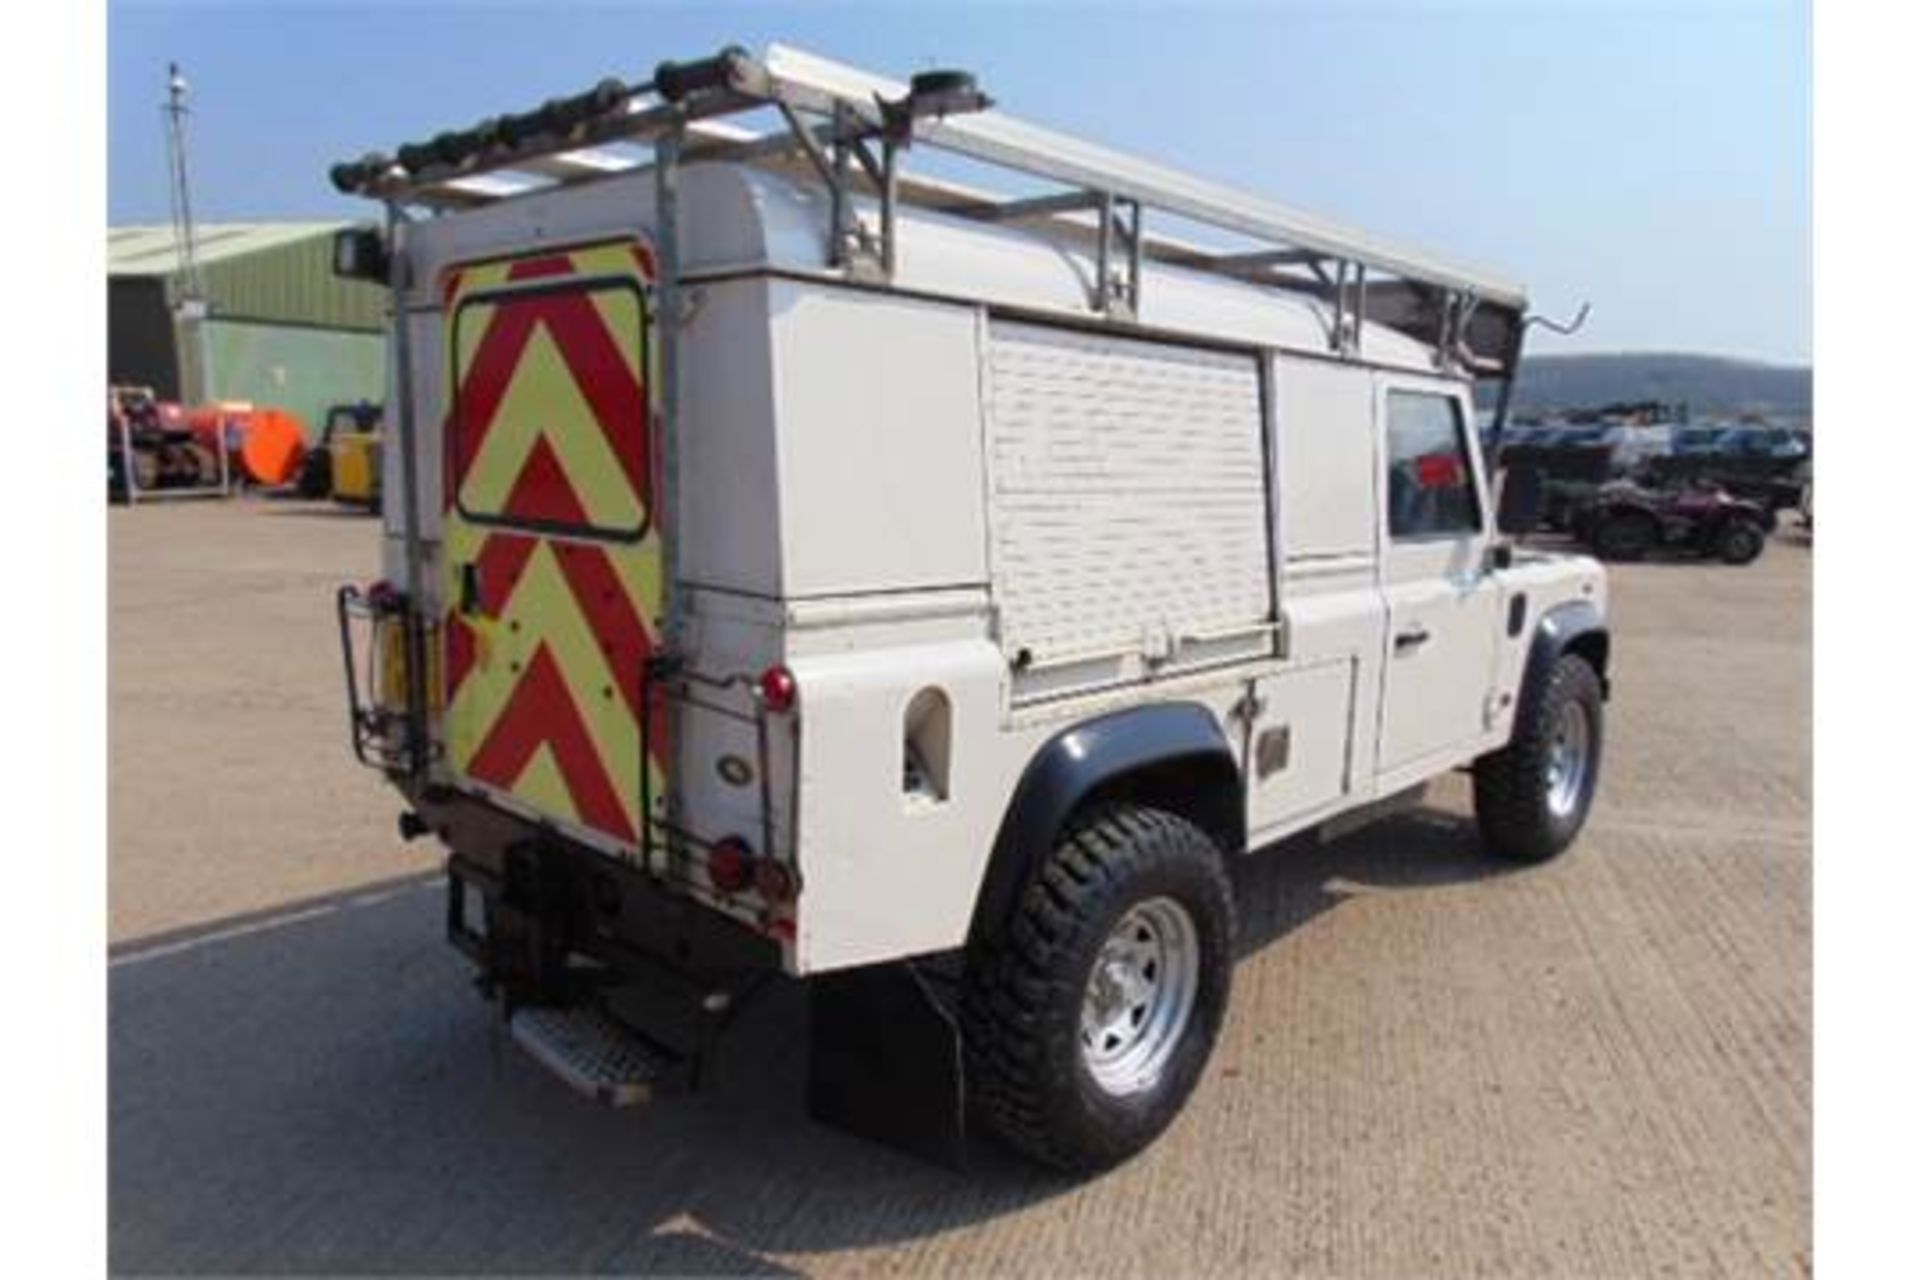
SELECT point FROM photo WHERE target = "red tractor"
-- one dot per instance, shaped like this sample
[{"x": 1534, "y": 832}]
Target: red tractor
[{"x": 150, "y": 443}]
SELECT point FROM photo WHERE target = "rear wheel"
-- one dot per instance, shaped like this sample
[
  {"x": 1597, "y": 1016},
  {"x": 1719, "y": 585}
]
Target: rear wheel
[
  {"x": 144, "y": 466},
  {"x": 1740, "y": 542},
  {"x": 1623, "y": 535},
  {"x": 1091, "y": 1015},
  {"x": 206, "y": 467},
  {"x": 1531, "y": 797}
]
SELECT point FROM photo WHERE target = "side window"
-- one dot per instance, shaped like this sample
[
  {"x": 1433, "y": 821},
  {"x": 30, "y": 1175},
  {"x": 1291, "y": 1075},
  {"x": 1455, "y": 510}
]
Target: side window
[
  {"x": 549, "y": 408},
  {"x": 1430, "y": 490}
]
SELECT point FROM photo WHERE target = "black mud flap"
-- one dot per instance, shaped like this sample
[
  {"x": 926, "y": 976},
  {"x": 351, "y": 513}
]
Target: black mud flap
[{"x": 885, "y": 1060}]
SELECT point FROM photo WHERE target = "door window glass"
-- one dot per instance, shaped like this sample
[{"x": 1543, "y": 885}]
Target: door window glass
[{"x": 1430, "y": 491}]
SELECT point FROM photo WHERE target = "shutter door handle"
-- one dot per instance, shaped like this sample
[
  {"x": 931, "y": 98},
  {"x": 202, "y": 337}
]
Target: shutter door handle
[
  {"x": 470, "y": 588},
  {"x": 1410, "y": 639}
]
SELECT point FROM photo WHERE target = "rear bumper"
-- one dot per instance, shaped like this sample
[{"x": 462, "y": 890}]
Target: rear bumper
[{"x": 549, "y": 922}]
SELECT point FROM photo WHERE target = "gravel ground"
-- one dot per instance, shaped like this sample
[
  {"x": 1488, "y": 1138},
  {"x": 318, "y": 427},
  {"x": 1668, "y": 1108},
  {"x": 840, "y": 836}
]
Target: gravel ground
[{"x": 1434, "y": 1065}]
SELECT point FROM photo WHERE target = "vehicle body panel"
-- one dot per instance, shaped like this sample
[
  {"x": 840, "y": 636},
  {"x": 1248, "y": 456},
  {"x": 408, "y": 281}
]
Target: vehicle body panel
[{"x": 844, "y": 487}]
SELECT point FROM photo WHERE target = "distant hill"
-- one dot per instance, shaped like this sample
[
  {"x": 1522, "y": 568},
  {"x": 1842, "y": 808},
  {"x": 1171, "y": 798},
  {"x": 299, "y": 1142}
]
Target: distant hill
[{"x": 1708, "y": 385}]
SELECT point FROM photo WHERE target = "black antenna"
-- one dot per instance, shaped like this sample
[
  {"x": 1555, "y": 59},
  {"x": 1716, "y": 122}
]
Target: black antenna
[{"x": 1564, "y": 328}]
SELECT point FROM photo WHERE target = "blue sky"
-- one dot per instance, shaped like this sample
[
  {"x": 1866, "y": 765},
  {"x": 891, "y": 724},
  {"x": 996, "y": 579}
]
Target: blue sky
[{"x": 1653, "y": 158}]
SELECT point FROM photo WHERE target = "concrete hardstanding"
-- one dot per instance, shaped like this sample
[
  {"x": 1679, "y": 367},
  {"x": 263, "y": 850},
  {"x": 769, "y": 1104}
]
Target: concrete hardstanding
[{"x": 1434, "y": 1065}]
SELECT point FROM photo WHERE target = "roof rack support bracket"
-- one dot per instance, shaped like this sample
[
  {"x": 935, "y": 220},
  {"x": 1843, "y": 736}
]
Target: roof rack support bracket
[
  {"x": 1116, "y": 295},
  {"x": 1349, "y": 308},
  {"x": 851, "y": 246}
]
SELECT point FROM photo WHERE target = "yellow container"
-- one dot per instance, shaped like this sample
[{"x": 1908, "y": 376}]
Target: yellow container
[{"x": 356, "y": 467}]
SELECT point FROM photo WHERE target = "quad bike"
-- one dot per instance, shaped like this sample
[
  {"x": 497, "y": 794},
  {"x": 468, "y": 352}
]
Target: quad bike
[{"x": 1626, "y": 521}]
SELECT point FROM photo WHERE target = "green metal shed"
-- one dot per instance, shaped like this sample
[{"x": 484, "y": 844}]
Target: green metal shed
[{"x": 279, "y": 329}]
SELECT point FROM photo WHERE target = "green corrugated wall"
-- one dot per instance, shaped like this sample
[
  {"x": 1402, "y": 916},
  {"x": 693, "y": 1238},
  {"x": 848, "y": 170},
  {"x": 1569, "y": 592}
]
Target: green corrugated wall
[
  {"x": 296, "y": 368},
  {"x": 293, "y": 283}
]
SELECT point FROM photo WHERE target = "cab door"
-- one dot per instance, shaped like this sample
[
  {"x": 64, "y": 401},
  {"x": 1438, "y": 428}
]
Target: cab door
[
  {"x": 1442, "y": 603},
  {"x": 551, "y": 558}
]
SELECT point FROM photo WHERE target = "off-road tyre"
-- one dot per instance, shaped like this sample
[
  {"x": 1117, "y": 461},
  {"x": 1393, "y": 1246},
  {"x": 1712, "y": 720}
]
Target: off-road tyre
[
  {"x": 1028, "y": 1081},
  {"x": 145, "y": 468},
  {"x": 1512, "y": 787},
  {"x": 206, "y": 465},
  {"x": 1623, "y": 535},
  {"x": 1740, "y": 542}
]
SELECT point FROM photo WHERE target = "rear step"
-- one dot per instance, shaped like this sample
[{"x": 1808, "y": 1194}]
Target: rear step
[{"x": 597, "y": 1055}]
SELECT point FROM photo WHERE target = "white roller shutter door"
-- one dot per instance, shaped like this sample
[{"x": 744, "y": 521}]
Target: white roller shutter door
[{"x": 1128, "y": 506}]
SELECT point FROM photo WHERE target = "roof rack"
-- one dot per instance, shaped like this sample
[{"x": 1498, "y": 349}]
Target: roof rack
[{"x": 835, "y": 118}]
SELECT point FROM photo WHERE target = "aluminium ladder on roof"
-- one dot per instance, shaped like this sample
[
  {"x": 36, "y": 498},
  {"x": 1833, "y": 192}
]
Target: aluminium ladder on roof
[{"x": 1471, "y": 318}]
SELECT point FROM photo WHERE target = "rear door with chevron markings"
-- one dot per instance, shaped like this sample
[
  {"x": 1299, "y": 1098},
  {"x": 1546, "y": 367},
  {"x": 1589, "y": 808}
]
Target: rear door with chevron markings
[{"x": 551, "y": 556}]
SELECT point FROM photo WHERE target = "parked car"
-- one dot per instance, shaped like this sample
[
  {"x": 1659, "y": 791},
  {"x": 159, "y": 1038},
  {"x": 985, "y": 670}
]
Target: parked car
[
  {"x": 1700, "y": 439},
  {"x": 1774, "y": 443}
]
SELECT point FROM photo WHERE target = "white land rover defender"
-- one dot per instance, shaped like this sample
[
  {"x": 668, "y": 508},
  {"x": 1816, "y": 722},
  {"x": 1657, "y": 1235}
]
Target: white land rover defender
[{"x": 799, "y": 566}]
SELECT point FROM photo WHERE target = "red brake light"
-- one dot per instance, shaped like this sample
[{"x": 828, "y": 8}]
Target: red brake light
[
  {"x": 730, "y": 865},
  {"x": 774, "y": 880},
  {"x": 777, "y": 689}
]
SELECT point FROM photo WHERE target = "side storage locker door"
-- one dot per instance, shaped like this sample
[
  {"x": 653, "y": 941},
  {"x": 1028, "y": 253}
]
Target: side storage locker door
[
  {"x": 1311, "y": 736},
  {"x": 1128, "y": 507}
]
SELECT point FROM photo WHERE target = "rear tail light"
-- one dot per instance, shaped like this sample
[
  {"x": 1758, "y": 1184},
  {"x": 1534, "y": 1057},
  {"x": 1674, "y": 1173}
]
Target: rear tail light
[
  {"x": 774, "y": 880},
  {"x": 778, "y": 691},
  {"x": 730, "y": 865}
]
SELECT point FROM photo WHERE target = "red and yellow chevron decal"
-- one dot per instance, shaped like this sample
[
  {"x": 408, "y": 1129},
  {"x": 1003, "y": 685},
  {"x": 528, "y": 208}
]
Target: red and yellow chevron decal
[{"x": 552, "y": 563}]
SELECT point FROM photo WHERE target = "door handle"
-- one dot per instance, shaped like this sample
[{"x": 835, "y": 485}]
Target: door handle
[
  {"x": 1412, "y": 638},
  {"x": 470, "y": 588}
]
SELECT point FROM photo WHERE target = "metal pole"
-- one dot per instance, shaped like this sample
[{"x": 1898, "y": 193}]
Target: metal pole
[
  {"x": 842, "y": 208},
  {"x": 1506, "y": 390},
  {"x": 1103, "y": 271},
  {"x": 188, "y": 300},
  {"x": 667, "y": 325},
  {"x": 1359, "y": 305},
  {"x": 889, "y": 198},
  {"x": 664, "y": 498},
  {"x": 127, "y": 480},
  {"x": 176, "y": 110},
  {"x": 1339, "y": 334},
  {"x": 1133, "y": 257},
  {"x": 402, "y": 394}
]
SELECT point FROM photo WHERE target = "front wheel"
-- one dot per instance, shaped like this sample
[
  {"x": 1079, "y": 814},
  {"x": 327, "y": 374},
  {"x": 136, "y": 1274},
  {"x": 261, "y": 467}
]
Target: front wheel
[
  {"x": 1531, "y": 797},
  {"x": 1090, "y": 1017},
  {"x": 1623, "y": 534},
  {"x": 1740, "y": 542}
]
